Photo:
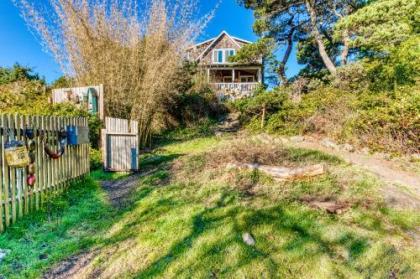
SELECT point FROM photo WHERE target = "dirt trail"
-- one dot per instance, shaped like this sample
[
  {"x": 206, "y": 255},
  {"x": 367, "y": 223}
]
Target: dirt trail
[
  {"x": 118, "y": 192},
  {"x": 401, "y": 188}
]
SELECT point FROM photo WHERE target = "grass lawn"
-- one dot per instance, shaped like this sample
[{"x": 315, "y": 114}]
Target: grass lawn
[{"x": 186, "y": 220}]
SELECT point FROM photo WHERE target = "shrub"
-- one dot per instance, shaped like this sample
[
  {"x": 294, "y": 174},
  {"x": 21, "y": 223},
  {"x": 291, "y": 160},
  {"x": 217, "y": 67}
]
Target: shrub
[
  {"x": 389, "y": 121},
  {"x": 383, "y": 120},
  {"x": 95, "y": 159},
  {"x": 351, "y": 77},
  {"x": 251, "y": 109}
]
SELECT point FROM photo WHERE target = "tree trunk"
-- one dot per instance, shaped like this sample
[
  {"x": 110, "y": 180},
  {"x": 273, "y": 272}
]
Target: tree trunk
[
  {"x": 318, "y": 38},
  {"x": 264, "y": 108},
  {"x": 346, "y": 46},
  {"x": 282, "y": 67}
]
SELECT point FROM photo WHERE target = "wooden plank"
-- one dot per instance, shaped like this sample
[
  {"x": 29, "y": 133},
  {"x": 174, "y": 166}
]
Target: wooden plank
[
  {"x": 1, "y": 174},
  {"x": 36, "y": 189},
  {"x": 42, "y": 161},
  {"x": 12, "y": 172},
  {"x": 18, "y": 171},
  {"x": 54, "y": 162},
  {"x": 6, "y": 177},
  {"x": 25, "y": 123},
  {"x": 48, "y": 160}
]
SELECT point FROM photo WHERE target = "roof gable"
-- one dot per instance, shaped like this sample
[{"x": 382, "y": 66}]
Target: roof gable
[{"x": 214, "y": 42}]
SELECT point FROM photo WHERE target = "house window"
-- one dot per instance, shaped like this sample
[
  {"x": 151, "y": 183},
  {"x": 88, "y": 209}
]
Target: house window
[
  {"x": 247, "y": 79},
  {"x": 228, "y": 53},
  {"x": 222, "y": 55}
]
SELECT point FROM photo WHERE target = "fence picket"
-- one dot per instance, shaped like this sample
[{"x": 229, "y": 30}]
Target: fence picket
[
  {"x": 17, "y": 198},
  {"x": 1, "y": 175},
  {"x": 5, "y": 171}
]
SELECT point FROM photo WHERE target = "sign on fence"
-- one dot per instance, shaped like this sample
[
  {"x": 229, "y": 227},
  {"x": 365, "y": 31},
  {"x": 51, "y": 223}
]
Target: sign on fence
[
  {"x": 120, "y": 145},
  {"x": 52, "y": 165}
]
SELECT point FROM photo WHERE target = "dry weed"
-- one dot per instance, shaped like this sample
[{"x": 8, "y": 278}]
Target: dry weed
[{"x": 249, "y": 151}]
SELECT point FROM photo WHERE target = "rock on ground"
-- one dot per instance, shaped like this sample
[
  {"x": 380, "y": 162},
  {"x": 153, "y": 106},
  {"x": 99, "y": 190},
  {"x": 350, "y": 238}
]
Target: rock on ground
[
  {"x": 329, "y": 144},
  {"x": 3, "y": 254},
  {"x": 297, "y": 139},
  {"x": 248, "y": 239}
]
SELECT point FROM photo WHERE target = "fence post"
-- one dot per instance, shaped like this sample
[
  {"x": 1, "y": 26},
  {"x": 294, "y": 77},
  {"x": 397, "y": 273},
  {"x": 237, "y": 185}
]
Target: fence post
[{"x": 17, "y": 198}]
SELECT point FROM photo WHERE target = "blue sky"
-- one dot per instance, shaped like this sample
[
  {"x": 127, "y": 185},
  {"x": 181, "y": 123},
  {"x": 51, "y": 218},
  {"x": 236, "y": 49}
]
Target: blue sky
[{"x": 17, "y": 44}]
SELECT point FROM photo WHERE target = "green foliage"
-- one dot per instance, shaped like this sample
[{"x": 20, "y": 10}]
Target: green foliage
[
  {"x": 18, "y": 73},
  {"x": 21, "y": 93},
  {"x": 381, "y": 120},
  {"x": 193, "y": 103},
  {"x": 382, "y": 25},
  {"x": 95, "y": 159},
  {"x": 389, "y": 121},
  {"x": 400, "y": 67},
  {"x": 251, "y": 108},
  {"x": 62, "y": 82},
  {"x": 308, "y": 55},
  {"x": 253, "y": 52},
  {"x": 192, "y": 107}
]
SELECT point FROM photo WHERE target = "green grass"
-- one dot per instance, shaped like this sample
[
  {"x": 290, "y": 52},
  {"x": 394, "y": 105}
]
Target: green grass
[
  {"x": 100, "y": 175},
  {"x": 71, "y": 225},
  {"x": 186, "y": 220}
]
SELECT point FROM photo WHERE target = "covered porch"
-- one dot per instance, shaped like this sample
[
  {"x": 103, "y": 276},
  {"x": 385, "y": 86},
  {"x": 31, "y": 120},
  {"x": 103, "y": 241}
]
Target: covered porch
[
  {"x": 234, "y": 83},
  {"x": 234, "y": 75}
]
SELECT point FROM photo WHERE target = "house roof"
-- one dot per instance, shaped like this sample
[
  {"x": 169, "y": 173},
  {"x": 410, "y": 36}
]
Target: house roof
[{"x": 214, "y": 40}]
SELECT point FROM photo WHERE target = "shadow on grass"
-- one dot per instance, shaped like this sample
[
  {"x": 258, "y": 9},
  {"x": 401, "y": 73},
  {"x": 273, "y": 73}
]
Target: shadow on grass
[
  {"x": 69, "y": 223},
  {"x": 304, "y": 227},
  {"x": 87, "y": 217}
]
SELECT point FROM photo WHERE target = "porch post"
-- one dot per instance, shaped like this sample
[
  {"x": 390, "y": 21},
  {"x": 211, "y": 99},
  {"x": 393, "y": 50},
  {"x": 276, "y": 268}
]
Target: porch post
[
  {"x": 208, "y": 75},
  {"x": 259, "y": 75},
  {"x": 233, "y": 75}
]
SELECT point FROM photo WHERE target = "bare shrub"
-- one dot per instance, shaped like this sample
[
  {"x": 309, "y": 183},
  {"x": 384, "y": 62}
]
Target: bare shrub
[
  {"x": 255, "y": 152},
  {"x": 132, "y": 47}
]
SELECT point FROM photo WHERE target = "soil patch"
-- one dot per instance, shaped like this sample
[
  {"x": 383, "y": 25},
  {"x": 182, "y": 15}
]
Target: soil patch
[
  {"x": 71, "y": 267},
  {"x": 326, "y": 204}
]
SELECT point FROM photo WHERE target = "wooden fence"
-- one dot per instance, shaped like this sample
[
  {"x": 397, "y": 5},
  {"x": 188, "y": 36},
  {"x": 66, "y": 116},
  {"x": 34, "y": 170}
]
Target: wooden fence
[
  {"x": 17, "y": 198},
  {"x": 120, "y": 145}
]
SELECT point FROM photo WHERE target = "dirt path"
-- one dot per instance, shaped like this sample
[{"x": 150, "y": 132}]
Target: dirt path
[
  {"x": 118, "y": 192},
  {"x": 401, "y": 188}
]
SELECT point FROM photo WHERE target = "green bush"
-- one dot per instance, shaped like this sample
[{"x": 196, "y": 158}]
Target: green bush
[
  {"x": 389, "y": 121},
  {"x": 95, "y": 159},
  {"x": 383, "y": 120}
]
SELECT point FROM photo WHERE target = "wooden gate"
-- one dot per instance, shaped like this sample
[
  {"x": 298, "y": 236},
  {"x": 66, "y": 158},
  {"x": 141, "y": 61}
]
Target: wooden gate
[{"x": 120, "y": 145}]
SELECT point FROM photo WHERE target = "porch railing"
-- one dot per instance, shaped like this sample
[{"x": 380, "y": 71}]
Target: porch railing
[
  {"x": 235, "y": 90},
  {"x": 242, "y": 86}
]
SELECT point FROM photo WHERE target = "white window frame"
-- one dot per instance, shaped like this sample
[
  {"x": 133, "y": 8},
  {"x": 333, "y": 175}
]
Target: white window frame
[
  {"x": 247, "y": 77},
  {"x": 223, "y": 55}
]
